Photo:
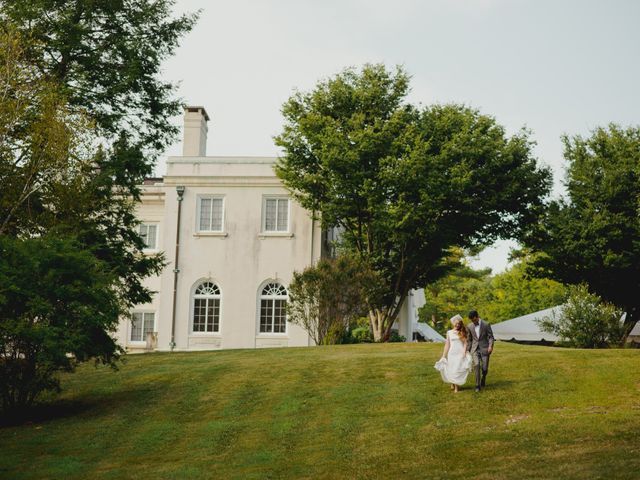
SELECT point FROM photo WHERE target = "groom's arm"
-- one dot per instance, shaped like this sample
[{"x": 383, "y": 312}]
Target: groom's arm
[
  {"x": 490, "y": 338},
  {"x": 469, "y": 339}
]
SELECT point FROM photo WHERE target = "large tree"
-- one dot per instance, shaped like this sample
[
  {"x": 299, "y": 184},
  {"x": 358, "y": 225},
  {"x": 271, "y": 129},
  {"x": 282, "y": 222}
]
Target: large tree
[
  {"x": 104, "y": 57},
  {"x": 404, "y": 184},
  {"x": 84, "y": 115},
  {"x": 593, "y": 234}
]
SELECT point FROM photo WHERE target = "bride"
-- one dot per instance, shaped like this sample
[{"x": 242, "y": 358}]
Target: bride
[{"x": 455, "y": 364}]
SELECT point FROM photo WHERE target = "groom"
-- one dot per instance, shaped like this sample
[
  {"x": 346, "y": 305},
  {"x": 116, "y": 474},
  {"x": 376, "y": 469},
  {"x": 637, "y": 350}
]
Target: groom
[{"x": 480, "y": 346}]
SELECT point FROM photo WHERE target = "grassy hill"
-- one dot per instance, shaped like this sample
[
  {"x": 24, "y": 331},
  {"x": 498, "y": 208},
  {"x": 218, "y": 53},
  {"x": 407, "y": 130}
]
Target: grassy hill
[{"x": 361, "y": 411}]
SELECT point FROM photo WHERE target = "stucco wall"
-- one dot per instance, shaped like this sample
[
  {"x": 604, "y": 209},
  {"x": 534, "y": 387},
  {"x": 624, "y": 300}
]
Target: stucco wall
[{"x": 240, "y": 260}]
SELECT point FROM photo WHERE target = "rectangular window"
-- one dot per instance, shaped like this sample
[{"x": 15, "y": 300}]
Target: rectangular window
[
  {"x": 273, "y": 316},
  {"x": 210, "y": 215},
  {"x": 206, "y": 315},
  {"x": 141, "y": 324},
  {"x": 276, "y": 215},
  {"x": 149, "y": 234}
]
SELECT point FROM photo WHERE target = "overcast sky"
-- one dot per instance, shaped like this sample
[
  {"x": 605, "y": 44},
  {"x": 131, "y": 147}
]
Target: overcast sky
[{"x": 554, "y": 66}]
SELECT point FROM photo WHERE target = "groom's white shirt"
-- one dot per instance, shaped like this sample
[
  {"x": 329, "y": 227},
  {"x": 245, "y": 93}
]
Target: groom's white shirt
[{"x": 477, "y": 329}]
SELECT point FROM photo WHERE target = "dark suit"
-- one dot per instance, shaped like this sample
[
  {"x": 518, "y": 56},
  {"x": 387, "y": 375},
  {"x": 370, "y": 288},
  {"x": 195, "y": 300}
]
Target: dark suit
[{"x": 479, "y": 348}]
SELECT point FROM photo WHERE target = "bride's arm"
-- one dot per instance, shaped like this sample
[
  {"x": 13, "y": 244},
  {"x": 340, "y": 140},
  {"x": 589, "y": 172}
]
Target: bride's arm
[{"x": 446, "y": 347}]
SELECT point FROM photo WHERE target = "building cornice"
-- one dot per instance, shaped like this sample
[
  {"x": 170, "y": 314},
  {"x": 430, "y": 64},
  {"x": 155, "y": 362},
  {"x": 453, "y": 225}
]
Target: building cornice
[
  {"x": 220, "y": 160},
  {"x": 231, "y": 181}
]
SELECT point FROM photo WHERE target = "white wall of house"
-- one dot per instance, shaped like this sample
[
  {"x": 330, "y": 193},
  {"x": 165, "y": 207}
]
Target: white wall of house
[{"x": 240, "y": 256}]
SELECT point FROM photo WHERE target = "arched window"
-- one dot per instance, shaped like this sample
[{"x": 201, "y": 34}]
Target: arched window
[
  {"x": 206, "y": 308},
  {"x": 273, "y": 309}
]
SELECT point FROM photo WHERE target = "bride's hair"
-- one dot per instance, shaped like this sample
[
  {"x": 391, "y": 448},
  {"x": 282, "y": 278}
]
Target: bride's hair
[{"x": 458, "y": 327}]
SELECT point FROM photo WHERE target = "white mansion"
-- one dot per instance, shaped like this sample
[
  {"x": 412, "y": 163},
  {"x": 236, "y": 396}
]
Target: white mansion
[{"x": 232, "y": 238}]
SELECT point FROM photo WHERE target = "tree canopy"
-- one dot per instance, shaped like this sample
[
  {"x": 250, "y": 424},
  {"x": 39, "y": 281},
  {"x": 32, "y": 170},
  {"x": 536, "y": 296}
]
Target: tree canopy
[
  {"x": 42, "y": 141},
  {"x": 592, "y": 235},
  {"x": 83, "y": 114},
  {"x": 107, "y": 55},
  {"x": 405, "y": 184}
]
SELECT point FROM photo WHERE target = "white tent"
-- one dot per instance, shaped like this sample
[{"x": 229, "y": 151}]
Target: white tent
[
  {"x": 635, "y": 333},
  {"x": 407, "y": 323},
  {"x": 525, "y": 328},
  {"x": 427, "y": 332}
]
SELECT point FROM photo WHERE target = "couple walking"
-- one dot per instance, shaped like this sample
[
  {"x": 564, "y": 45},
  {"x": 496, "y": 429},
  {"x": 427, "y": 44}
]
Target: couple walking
[{"x": 466, "y": 347}]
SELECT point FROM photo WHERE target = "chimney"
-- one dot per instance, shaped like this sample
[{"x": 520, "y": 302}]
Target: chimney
[{"x": 194, "y": 143}]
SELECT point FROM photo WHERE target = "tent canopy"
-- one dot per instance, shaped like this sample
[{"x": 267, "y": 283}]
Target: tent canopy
[{"x": 525, "y": 328}]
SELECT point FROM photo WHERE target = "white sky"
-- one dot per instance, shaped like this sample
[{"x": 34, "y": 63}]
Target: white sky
[{"x": 554, "y": 66}]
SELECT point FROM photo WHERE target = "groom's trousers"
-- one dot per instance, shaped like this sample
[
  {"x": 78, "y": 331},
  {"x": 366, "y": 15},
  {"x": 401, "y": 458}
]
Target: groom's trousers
[{"x": 480, "y": 366}]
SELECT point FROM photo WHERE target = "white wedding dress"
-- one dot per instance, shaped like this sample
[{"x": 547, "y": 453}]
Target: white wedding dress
[{"x": 455, "y": 368}]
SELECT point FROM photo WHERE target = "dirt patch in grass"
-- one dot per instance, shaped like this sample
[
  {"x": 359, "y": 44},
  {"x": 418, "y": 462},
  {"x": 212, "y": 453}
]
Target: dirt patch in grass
[{"x": 515, "y": 419}]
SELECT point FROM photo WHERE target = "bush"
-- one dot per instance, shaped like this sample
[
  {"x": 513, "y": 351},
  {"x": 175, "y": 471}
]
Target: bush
[
  {"x": 396, "y": 337},
  {"x": 585, "y": 321},
  {"x": 361, "y": 335},
  {"x": 57, "y": 308},
  {"x": 326, "y": 298}
]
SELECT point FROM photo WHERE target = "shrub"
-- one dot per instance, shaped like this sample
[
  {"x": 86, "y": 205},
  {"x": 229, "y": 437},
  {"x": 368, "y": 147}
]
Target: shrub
[
  {"x": 585, "y": 321},
  {"x": 326, "y": 298},
  {"x": 57, "y": 308},
  {"x": 396, "y": 337},
  {"x": 361, "y": 335}
]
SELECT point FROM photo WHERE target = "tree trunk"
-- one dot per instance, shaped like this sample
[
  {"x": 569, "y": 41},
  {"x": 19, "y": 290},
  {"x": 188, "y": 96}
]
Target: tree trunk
[
  {"x": 377, "y": 319},
  {"x": 381, "y": 322}
]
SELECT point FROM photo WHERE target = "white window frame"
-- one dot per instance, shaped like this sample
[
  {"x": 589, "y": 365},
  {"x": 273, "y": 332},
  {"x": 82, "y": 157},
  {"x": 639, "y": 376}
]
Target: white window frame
[
  {"x": 262, "y": 297},
  {"x": 192, "y": 309},
  {"x": 130, "y": 329},
  {"x": 199, "y": 199},
  {"x": 263, "y": 226},
  {"x": 149, "y": 224}
]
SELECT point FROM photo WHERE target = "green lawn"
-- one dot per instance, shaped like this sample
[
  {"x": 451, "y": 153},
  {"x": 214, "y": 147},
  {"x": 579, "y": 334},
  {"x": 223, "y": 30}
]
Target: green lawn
[{"x": 361, "y": 411}]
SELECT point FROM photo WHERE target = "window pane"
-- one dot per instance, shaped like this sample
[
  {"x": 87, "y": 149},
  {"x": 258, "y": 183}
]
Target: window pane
[
  {"x": 205, "y": 214},
  {"x": 270, "y": 214},
  {"x": 283, "y": 214},
  {"x": 136, "y": 327},
  {"x": 216, "y": 214},
  {"x": 199, "y": 314},
  {"x": 151, "y": 236},
  {"x": 142, "y": 228},
  {"x": 209, "y": 315},
  {"x": 148, "y": 325},
  {"x": 280, "y": 316},
  {"x": 215, "y": 314},
  {"x": 266, "y": 316}
]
